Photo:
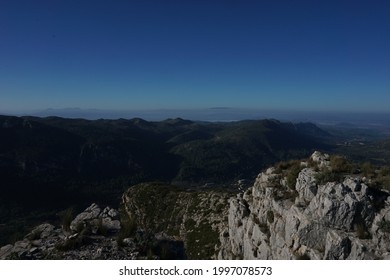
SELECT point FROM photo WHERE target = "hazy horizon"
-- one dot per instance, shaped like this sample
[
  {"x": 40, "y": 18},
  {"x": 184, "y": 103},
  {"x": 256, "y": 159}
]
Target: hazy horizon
[{"x": 221, "y": 114}]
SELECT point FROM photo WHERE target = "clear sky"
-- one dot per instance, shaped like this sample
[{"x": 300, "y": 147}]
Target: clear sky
[{"x": 185, "y": 54}]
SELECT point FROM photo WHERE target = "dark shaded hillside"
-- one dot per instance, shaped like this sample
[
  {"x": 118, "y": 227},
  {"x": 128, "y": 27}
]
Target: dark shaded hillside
[
  {"x": 44, "y": 159},
  {"x": 238, "y": 150},
  {"x": 35, "y": 159},
  {"x": 44, "y": 156}
]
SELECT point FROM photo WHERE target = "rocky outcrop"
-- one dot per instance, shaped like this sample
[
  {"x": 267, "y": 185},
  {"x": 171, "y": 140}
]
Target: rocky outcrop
[
  {"x": 95, "y": 218},
  {"x": 92, "y": 235},
  {"x": 310, "y": 220}
]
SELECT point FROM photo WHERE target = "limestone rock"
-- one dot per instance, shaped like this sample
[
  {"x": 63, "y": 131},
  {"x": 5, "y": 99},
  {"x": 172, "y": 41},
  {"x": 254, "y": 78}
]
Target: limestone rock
[
  {"x": 97, "y": 219},
  {"x": 338, "y": 246},
  {"x": 334, "y": 220},
  {"x": 49, "y": 242},
  {"x": 320, "y": 158},
  {"x": 306, "y": 185},
  {"x": 5, "y": 251},
  {"x": 91, "y": 213}
]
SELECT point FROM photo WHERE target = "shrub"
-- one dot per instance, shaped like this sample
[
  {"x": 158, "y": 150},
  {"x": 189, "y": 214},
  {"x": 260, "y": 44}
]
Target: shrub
[
  {"x": 313, "y": 164},
  {"x": 285, "y": 195},
  {"x": 290, "y": 169},
  {"x": 339, "y": 164},
  {"x": 201, "y": 241},
  {"x": 328, "y": 176},
  {"x": 128, "y": 229},
  {"x": 66, "y": 218},
  {"x": 385, "y": 171},
  {"x": 382, "y": 179},
  {"x": 368, "y": 169},
  {"x": 101, "y": 228},
  {"x": 292, "y": 175},
  {"x": 362, "y": 231},
  {"x": 303, "y": 257}
]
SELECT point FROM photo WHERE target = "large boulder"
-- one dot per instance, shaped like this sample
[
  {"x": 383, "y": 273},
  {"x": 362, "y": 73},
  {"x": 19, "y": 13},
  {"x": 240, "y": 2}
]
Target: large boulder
[{"x": 96, "y": 219}]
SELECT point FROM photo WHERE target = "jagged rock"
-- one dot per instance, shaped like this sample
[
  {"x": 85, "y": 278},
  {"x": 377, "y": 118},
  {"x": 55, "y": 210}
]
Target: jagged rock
[
  {"x": 312, "y": 236},
  {"x": 335, "y": 206},
  {"x": 5, "y": 251},
  {"x": 41, "y": 231},
  {"x": 320, "y": 158},
  {"x": 306, "y": 185},
  {"x": 113, "y": 213},
  {"x": 49, "y": 242},
  {"x": 91, "y": 213},
  {"x": 111, "y": 225},
  {"x": 97, "y": 219},
  {"x": 317, "y": 221},
  {"x": 338, "y": 245}
]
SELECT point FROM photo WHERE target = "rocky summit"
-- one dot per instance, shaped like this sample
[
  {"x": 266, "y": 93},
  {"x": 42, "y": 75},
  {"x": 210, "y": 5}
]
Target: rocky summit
[
  {"x": 319, "y": 208},
  {"x": 308, "y": 220}
]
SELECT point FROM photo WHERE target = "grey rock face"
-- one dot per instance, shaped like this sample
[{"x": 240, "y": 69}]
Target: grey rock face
[
  {"x": 338, "y": 245},
  {"x": 94, "y": 217},
  {"x": 5, "y": 251},
  {"x": 320, "y": 158},
  {"x": 316, "y": 221},
  {"x": 306, "y": 184},
  {"x": 85, "y": 241}
]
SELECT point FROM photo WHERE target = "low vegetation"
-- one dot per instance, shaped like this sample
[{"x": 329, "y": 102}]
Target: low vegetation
[
  {"x": 66, "y": 218},
  {"x": 128, "y": 228},
  {"x": 189, "y": 216}
]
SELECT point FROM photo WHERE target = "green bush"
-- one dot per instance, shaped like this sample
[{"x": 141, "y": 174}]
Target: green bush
[
  {"x": 368, "y": 169},
  {"x": 339, "y": 164},
  {"x": 292, "y": 175},
  {"x": 201, "y": 241},
  {"x": 290, "y": 169},
  {"x": 326, "y": 176},
  {"x": 382, "y": 179}
]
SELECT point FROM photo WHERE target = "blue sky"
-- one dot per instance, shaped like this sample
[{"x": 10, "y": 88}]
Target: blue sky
[{"x": 189, "y": 54}]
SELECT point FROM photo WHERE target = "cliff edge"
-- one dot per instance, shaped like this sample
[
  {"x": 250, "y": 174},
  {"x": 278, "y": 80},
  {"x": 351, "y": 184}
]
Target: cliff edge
[{"x": 307, "y": 218}]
